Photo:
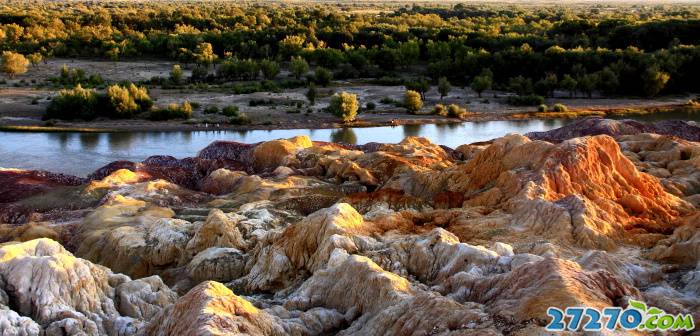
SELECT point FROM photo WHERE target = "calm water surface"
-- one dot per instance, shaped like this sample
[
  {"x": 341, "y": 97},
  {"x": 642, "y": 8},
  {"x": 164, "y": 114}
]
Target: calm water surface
[{"x": 82, "y": 153}]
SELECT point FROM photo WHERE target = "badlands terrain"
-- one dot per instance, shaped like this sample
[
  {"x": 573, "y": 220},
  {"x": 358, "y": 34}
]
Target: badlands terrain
[{"x": 294, "y": 237}]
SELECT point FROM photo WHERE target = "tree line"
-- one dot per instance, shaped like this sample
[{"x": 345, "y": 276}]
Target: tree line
[{"x": 615, "y": 50}]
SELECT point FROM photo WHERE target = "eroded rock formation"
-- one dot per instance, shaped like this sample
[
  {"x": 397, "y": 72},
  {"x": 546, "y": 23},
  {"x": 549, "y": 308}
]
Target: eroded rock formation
[{"x": 293, "y": 237}]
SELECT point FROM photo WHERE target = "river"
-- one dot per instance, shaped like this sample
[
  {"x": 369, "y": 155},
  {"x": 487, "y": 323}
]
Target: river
[{"x": 82, "y": 153}]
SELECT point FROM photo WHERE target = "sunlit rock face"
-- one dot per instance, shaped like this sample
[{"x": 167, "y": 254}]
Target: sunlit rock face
[
  {"x": 63, "y": 294},
  {"x": 293, "y": 237}
]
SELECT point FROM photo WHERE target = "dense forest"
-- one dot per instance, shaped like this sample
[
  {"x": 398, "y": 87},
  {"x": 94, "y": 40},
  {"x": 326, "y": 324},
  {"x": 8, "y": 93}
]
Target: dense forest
[{"x": 641, "y": 50}]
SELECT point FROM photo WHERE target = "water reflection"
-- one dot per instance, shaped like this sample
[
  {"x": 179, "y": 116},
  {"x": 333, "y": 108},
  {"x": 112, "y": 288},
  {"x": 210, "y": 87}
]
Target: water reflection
[
  {"x": 411, "y": 130},
  {"x": 89, "y": 141},
  {"x": 82, "y": 153},
  {"x": 61, "y": 138},
  {"x": 120, "y": 141},
  {"x": 344, "y": 135}
]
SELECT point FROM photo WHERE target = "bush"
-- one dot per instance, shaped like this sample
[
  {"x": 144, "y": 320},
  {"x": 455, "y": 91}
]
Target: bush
[
  {"x": 322, "y": 76},
  {"x": 528, "y": 100},
  {"x": 542, "y": 108},
  {"x": 440, "y": 110},
  {"x": 412, "y": 101},
  {"x": 311, "y": 94},
  {"x": 74, "y": 77},
  {"x": 270, "y": 69},
  {"x": 211, "y": 109},
  {"x": 344, "y": 105},
  {"x": 370, "y": 106},
  {"x": 13, "y": 63},
  {"x": 77, "y": 103},
  {"x": 258, "y": 102},
  {"x": 176, "y": 74},
  {"x": 199, "y": 74},
  {"x": 388, "y": 101},
  {"x": 559, "y": 108},
  {"x": 454, "y": 111},
  {"x": 388, "y": 81},
  {"x": 123, "y": 102},
  {"x": 173, "y": 111},
  {"x": 240, "y": 119},
  {"x": 230, "y": 111}
]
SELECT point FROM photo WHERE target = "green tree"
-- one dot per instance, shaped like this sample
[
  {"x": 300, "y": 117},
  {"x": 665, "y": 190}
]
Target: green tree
[
  {"x": 409, "y": 51},
  {"x": 323, "y": 76},
  {"x": 270, "y": 69},
  {"x": 176, "y": 74},
  {"x": 587, "y": 83},
  {"x": 547, "y": 85},
  {"x": 412, "y": 101},
  {"x": 13, "y": 63},
  {"x": 311, "y": 93},
  {"x": 568, "y": 83},
  {"x": 298, "y": 67},
  {"x": 420, "y": 85},
  {"x": 344, "y": 105},
  {"x": 481, "y": 83},
  {"x": 520, "y": 85},
  {"x": 608, "y": 80},
  {"x": 654, "y": 81},
  {"x": 444, "y": 87}
]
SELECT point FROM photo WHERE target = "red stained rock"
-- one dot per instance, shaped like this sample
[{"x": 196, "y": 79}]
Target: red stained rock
[
  {"x": 19, "y": 184},
  {"x": 598, "y": 126}
]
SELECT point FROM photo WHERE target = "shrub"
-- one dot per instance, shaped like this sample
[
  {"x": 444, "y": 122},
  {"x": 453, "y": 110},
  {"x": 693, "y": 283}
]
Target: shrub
[
  {"x": 257, "y": 102},
  {"x": 559, "y": 108},
  {"x": 323, "y": 76},
  {"x": 454, "y": 111},
  {"x": 176, "y": 74},
  {"x": 270, "y": 69},
  {"x": 213, "y": 109},
  {"x": 77, "y": 103},
  {"x": 13, "y": 63},
  {"x": 412, "y": 101},
  {"x": 240, "y": 119},
  {"x": 311, "y": 94},
  {"x": 388, "y": 81},
  {"x": 173, "y": 111},
  {"x": 298, "y": 67},
  {"x": 199, "y": 73},
  {"x": 370, "y": 106},
  {"x": 440, "y": 110},
  {"x": 74, "y": 77},
  {"x": 542, "y": 108},
  {"x": 528, "y": 100},
  {"x": 230, "y": 111},
  {"x": 344, "y": 105},
  {"x": 388, "y": 101},
  {"x": 123, "y": 102}
]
